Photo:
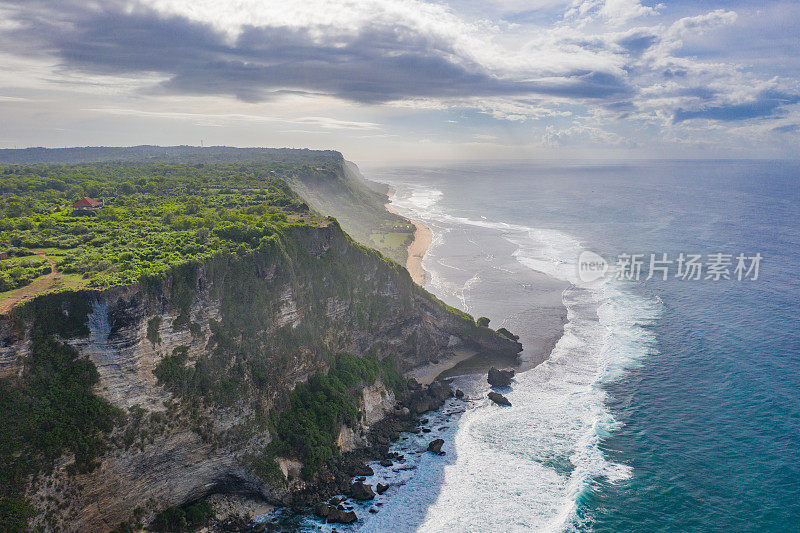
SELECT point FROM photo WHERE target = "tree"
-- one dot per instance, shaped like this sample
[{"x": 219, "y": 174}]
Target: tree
[{"x": 483, "y": 322}]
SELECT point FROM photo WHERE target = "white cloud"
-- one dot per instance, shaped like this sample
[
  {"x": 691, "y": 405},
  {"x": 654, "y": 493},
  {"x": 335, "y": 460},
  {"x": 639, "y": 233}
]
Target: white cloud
[{"x": 584, "y": 135}]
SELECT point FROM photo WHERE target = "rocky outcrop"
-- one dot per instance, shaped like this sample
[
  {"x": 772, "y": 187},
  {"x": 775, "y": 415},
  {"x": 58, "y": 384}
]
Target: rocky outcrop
[
  {"x": 432, "y": 397},
  {"x": 499, "y": 378}
]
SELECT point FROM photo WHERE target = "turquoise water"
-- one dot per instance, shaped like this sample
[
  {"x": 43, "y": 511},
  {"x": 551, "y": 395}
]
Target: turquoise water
[{"x": 668, "y": 405}]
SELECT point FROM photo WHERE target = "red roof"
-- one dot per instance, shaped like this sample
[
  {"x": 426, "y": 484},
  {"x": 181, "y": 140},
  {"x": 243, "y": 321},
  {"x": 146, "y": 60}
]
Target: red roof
[{"x": 87, "y": 202}]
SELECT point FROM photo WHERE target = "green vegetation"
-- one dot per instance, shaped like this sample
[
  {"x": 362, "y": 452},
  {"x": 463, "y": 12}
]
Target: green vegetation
[
  {"x": 20, "y": 270},
  {"x": 185, "y": 518},
  {"x": 483, "y": 322},
  {"x": 50, "y": 412},
  {"x": 155, "y": 217},
  {"x": 308, "y": 426},
  {"x": 152, "y": 330}
]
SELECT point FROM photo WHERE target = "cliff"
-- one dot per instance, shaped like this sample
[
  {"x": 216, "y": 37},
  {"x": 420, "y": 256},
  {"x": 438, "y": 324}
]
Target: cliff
[
  {"x": 199, "y": 363},
  {"x": 340, "y": 190}
]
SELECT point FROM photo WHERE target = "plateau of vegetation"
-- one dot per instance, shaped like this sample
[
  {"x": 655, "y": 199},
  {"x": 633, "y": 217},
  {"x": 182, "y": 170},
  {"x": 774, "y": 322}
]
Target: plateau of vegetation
[{"x": 155, "y": 216}]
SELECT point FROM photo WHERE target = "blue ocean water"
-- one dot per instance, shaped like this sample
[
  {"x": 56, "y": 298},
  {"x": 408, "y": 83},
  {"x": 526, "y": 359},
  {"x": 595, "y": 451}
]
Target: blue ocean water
[{"x": 667, "y": 405}]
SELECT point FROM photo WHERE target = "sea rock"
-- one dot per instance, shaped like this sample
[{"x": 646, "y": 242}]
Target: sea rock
[
  {"x": 360, "y": 491},
  {"x": 499, "y": 399},
  {"x": 381, "y": 488},
  {"x": 430, "y": 398},
  {"x": 507, "y": 334},
  {"x": 342, "y": 517},
  {"x": 361, "y": 469},
  {"x": 386, "y": 462},
  {"x": 322, "y": 510},
  {"x": 499, "y": 378},
  {"x": 459, "y": 393},
  {"x": 435, "y": 446}
]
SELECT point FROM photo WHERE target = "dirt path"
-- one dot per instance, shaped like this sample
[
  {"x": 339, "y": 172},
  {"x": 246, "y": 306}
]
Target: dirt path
[{"x": 40, "y": 285}]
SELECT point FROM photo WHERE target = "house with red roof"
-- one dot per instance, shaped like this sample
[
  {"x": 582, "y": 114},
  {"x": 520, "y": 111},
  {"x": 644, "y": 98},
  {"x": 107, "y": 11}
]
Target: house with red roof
[{"x": 87, "y": 203}]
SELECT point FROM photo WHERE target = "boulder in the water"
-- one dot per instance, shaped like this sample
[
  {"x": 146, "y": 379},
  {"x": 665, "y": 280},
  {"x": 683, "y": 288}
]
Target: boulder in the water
[
  {"x": 499, "y": 378},
  {"x": 380, "y": 488},
  {"x": 435, "y": 446},
  {"x": 322, "y": 510},
  {"x": 342, "y": 517},
  {"x": 360, "y": 491},
  {"x": 499, "y": 399}
]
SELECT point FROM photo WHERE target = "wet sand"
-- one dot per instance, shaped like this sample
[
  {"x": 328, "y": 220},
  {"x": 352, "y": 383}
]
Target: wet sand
[{"x": 418, "y": 247}]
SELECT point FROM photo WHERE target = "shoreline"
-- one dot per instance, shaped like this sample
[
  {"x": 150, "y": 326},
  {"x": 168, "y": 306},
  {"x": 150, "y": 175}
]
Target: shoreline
[
  {"x": 418, "y": 247},
  {"x": 427, "y": 374},
  {"x": 538, "y": 342}
]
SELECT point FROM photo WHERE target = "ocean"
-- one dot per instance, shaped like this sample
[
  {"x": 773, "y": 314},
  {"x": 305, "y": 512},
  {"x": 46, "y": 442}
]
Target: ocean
[{"x": 667, "y": 404}]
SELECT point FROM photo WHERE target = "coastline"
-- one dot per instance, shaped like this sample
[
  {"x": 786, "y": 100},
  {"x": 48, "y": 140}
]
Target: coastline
[
  {"x": 418, "y": 247},
  {"x": 540, "y": 331}
]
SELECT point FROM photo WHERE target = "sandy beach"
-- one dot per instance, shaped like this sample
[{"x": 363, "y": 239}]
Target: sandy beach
[
  {"x": 427, "y": 374},
  {"x": 418, "y": 247}
]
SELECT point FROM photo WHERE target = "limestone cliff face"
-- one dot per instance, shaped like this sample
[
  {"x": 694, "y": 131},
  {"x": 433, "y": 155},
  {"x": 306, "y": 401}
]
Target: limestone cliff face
[{"x": 283, "y": 310}]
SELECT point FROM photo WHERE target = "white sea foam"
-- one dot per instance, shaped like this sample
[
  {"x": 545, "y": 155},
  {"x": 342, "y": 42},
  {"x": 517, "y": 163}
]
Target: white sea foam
[{"x": 525, "y": 467}]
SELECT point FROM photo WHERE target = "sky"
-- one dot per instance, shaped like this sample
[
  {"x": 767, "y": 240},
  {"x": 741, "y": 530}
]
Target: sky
[{"x": 407, "y": 80}]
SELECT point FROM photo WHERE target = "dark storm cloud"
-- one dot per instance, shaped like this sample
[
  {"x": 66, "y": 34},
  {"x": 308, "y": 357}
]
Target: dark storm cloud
[
  {"x": 381, "y": 63},
  {"x": 768, "y": 104}
]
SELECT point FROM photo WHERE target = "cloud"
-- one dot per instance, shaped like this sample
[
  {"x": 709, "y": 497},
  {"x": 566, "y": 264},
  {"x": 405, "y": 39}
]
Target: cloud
[
  {"x": 580, "y": 134},
  {"x": 766, "y": 104},
  {"x": 218, "y": 119},
  {"x": 787, "y": 128},
  {"x": 368, "y": 63}
]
